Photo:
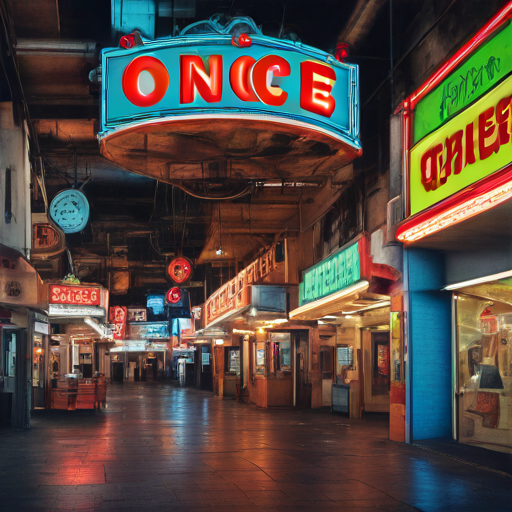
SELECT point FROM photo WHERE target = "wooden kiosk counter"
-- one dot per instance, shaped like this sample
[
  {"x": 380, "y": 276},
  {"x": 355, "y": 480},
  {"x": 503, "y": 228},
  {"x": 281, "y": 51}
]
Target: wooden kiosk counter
[{"x": 79, "y": 393}]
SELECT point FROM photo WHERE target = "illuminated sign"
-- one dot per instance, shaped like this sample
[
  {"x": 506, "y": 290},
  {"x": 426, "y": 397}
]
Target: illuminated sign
[
  {"x": 70, "y": 210},
  {"x": 470, "y": 146},
  {"x": 56, "y": 310},
  {"x": 335, "y": 273},
  {"x": 236, "y": 294},
  {"x": 210, "y": 75},
  {"x": 174, "y": 295},
  {"x": 457, "y": 134},
  {"x": 76, "y": 295},
  {"x": 180, "y": 270},
  {"x": 489, "y": 64},
  {"x": 118, "y": 316}
]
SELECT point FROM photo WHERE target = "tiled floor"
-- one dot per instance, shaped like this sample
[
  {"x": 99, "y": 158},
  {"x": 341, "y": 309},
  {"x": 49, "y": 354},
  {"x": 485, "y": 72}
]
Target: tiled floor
[{"x": 161, "y": 447}]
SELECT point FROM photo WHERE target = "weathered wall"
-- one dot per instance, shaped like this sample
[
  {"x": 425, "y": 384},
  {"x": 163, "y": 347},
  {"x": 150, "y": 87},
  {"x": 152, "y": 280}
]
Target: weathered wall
[{"x": 14, "y": 155}]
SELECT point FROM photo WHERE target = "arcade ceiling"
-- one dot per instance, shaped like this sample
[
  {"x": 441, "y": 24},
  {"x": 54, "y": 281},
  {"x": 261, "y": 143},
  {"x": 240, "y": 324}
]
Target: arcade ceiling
[{"x": 138, "y": 222}]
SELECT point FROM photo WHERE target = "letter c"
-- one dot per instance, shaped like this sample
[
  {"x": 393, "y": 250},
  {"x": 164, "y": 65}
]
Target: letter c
[
  {"x": 261, "y": 79},
  {"x": 131, "y": 81}
]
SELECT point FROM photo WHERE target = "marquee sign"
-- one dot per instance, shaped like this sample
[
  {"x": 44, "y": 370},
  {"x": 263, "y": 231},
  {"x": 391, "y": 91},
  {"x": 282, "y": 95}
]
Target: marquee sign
[
  {"x": 207, "y": 75},
  {"x": 336, "y": 272},
  {"x": 118, "y": 316},
  {"x": 457, "y": 134},
  {"x": 75, "y": 295},
  {"x": 212, "y": 94}
]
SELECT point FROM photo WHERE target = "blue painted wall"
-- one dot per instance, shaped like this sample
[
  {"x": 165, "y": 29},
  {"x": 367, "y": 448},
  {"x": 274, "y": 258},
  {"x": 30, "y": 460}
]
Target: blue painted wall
[{"x": 430, "y": 365}]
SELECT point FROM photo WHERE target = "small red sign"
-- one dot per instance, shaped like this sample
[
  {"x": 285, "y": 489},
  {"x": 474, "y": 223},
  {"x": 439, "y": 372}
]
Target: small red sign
[
  {"x": 180, "y": 270},
  {"x": 75, "y": 295},
  {"x": 173, "y": 295},
  {"x": 118, "y": 318}
]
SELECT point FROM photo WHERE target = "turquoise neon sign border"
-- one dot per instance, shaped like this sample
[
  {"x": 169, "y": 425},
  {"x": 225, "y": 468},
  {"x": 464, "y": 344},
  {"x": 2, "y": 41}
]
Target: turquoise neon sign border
[
  {"x": 340, "y": 270},
  {"x": 118, "y": 113}
]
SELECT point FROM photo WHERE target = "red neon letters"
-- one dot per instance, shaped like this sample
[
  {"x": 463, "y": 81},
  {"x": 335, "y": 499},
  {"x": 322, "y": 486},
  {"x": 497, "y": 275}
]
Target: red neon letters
[
  {"x": 316, "y": 86},
  {"x": 456, "y": 152},
  {"x": 239, "y": 78},
  {"x": 193, "y": 77},
  {"x": 251, "y": 80},
  {"x": 131, "y": 77},
  {"x": 261, "y": 79}
]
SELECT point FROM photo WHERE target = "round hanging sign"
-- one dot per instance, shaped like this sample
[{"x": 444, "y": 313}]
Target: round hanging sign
[
  {"x": 70, "y": 210},
  {"x": 180, "y": 270},
  {"x": 173, "y": 295}
]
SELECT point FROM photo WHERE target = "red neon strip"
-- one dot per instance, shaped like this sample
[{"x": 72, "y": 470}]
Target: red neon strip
[
  {"x": 461, "y": 54},
  {"x": 471, "y": 193}
]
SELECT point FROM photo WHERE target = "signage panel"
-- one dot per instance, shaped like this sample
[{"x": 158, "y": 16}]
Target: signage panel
[
  {"x": 489, "y": 64},
  {"x": 335, "y": 273},
  {"x": 205, "y": 75},
  {"x": 118, "y": 316},
  {"x": 70, "y": 210},
  {"x": 56, "y": 310},
  {"x": 469, "y": 147},
  {"x": 76, "y": 295}
]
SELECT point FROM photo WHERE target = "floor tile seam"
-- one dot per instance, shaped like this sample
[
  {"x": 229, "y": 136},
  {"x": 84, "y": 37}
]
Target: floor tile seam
[
  {"x": 467, "y": 462},
  {"x": 386, "y": 494}
]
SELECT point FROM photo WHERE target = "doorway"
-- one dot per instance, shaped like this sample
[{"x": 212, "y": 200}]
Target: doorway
[
  {"x": 302, "y": 386},
  {"x": 326, "y": 369},
  {"x": 376, "y": 370}
]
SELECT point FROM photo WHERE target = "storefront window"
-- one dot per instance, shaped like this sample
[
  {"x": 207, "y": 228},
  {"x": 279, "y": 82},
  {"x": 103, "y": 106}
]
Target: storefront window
[
  {"x": 10, "y": 354},
  {"x": 233, "y": 360},
  {"x": 37, "y": 361},
  {"x": 259, "y": 357},
  {"x": 281, "y": 352},
  {"x": 484, "y": 339}
]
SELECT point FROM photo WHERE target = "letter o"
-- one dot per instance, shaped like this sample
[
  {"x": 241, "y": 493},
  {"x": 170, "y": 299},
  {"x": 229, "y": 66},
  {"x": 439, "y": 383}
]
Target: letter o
[{"x": 131, "y": 81}]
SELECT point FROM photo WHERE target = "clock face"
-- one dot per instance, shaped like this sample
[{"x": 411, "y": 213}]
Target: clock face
[{"x": 70, "y": 210}]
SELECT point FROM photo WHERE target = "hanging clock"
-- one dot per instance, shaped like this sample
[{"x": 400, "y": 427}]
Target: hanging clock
[
  {"x": 180, "y": 270},
  {"x": 70, "y": 210}
]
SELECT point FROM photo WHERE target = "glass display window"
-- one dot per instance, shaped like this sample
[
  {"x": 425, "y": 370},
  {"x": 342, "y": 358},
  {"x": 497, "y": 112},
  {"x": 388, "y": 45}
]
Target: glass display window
[
  {"x": 233, "y": 360},
  {"x": 37, "y": 361},
  {"x": 484, "y": 365},
  {"x": 259, "y": 357},
  {"x": 280, "y": 346}
]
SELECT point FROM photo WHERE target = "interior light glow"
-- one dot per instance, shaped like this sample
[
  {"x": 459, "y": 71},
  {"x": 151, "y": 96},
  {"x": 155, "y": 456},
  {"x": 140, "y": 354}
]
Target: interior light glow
[
  {"x": 242, "y": 331},
  {"x": 382, "y": 304},
  {"x": 357, "y": 287},
  {"x": 458, "y": 213},
  {"x": 219, "y": 342},
  {"x": 479, "y": 280},
  {"x": 348, "y": 316}
]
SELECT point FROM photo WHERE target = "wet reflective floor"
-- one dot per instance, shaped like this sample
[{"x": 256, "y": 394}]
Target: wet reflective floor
[{"x": 162, "y": 447}]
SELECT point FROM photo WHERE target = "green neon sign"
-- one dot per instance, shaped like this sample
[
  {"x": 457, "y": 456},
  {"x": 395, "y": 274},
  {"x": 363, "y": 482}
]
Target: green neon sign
[
  {"x": 333, "y": 274},
  {"x": 472, "y": 145},
  {"x": 477, "y": 75}
]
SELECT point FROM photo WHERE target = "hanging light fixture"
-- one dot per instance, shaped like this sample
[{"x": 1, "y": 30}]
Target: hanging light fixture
[{"x": 219, "y": 251}]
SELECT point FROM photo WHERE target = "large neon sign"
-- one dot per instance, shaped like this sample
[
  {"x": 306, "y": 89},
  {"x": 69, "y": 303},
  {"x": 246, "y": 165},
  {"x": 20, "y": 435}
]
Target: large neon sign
[
  {"x": 457, "y": 133},
  {"x": 193, "y": 76}
]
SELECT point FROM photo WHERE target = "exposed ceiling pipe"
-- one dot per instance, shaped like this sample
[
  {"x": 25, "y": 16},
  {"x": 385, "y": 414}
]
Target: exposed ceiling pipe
[{"x": 54, "y": 46}]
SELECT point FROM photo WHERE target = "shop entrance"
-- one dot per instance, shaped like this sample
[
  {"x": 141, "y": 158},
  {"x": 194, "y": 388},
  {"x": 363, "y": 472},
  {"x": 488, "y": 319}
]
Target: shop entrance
[
  {"x": 376, "y": 370},
  {"x": 302, "y": 388},
  {"x": 484, "y": 365},
  {"x": 326, "y": 369}
]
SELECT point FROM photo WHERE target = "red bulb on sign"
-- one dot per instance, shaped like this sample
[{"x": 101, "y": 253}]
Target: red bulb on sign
[
  {"x": 341, "y": 52},
  {"x": 173, "y": 295},
  {"x": 127, "y": 41},
  {"x": 180, "y": 270},
  {"x": 241, "y": 41}
]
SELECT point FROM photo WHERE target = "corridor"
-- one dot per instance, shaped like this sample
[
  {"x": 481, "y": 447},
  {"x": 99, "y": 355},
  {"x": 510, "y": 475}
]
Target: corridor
[{"x": 162, "y": 447}]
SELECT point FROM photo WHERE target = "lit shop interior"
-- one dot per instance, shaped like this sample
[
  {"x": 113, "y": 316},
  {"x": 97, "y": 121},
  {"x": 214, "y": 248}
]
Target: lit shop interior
[{"x": 484, "y": 364}]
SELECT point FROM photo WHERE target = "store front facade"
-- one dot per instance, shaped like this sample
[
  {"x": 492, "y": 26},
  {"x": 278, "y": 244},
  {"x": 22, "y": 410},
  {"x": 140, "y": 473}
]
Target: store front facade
[
  {"x": 23, "y": 338},
  {"x": 77, "y": 314},
  {"x": 457, "y": 237},
  {"x": 349, "y": 297}
]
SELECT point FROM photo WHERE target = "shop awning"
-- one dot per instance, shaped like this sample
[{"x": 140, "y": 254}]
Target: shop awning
[
  {"x": 20, "y": 284},
  {"x": 353, "y": 299}
]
